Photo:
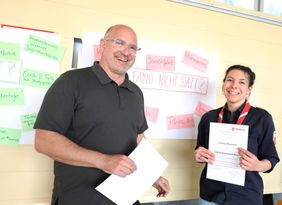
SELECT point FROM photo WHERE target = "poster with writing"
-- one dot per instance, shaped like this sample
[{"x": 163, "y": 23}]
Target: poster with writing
[
  {"x": 29, "y": 64},
  {"x": 178, "y": 83}
]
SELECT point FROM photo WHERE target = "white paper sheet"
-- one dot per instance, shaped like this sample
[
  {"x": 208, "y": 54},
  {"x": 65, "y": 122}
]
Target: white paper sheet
[
  {"x": 125, "y": 191},
  {"x": 224, "y": 140}
]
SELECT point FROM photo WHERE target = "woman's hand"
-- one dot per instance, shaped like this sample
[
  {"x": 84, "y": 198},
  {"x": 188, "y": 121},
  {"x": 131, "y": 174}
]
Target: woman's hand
[
  {"x": 250, "y": 162},
  {"x": 203, "y": 155}
]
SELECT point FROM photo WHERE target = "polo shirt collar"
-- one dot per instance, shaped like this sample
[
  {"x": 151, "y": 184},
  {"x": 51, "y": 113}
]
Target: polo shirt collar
[{"x": 105, "y": 79}]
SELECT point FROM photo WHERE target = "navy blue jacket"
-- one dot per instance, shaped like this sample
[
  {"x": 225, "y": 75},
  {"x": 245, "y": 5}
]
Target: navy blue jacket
[{"x": 260, "y": 143}]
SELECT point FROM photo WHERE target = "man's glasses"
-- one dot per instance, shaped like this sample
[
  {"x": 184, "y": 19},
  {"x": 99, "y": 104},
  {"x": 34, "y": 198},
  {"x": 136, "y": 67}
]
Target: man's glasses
[{"x": 121, "y": 44}]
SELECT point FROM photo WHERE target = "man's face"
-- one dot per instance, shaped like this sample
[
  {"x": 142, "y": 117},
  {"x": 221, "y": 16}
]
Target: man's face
[{"x": 119, "y": 49}]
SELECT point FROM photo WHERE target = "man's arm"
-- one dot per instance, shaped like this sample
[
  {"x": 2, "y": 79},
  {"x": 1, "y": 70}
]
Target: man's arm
[
  {"x": 140, "y": 137},
  {"x": 61, "y": 149}
]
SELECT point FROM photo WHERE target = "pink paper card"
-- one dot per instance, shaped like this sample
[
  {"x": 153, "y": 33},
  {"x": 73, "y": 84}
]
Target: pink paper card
[
  {"x": 180, "y": 121},
  {"x": 151, "y": 114},
  {"x": 195, "y": 61},
  {"x": 166, "y": 63},
  {"x": 97, "y": 54},
  {"x": 202, "y": 108}
]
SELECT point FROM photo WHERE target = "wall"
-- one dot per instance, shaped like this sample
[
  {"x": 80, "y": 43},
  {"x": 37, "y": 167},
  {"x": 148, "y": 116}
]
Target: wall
[{"x": 26, "y": 176}]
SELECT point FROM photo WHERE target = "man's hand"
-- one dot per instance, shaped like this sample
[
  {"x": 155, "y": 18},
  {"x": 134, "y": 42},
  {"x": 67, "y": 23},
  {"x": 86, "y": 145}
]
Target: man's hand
[
  {"x": 162, "y": 186},
  {"x": 119, "y": 165}
]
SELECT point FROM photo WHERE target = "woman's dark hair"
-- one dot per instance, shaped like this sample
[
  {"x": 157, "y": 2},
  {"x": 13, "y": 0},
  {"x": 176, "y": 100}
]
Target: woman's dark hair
[{"x": 247, "y": 70}]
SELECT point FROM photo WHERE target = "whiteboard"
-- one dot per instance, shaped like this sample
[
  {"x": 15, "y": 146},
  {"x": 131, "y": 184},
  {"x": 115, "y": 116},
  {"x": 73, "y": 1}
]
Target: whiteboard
[{"x": 29, "y": 64}]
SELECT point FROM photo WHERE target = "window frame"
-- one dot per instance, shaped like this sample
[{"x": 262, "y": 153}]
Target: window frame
[{"x": 257, "y": 14}]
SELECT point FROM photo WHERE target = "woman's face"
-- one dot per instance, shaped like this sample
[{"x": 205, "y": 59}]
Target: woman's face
[{"x": 236, "y": 87}]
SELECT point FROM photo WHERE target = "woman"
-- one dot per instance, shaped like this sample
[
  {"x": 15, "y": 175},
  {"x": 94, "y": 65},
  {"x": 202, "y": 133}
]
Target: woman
[{"x": 261, "y": 154}]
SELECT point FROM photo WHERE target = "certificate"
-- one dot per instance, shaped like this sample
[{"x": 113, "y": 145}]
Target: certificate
[
  {"x": 224, "y": 140},
  {"x": 125, "y": 191}
]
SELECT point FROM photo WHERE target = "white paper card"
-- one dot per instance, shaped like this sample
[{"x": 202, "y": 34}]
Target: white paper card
[
  {"x": 224, "y": 141},
  {"x": 125, "y": 191}
]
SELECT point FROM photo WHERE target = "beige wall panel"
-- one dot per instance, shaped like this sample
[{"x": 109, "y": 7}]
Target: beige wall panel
[
  {"x": 22, "y": 186},
  {"x": 23, "y": 158},
  {"x": 266, "y": 83},
  {"x": 236, "y": 41},
  {"x": 269, "y": 101}
]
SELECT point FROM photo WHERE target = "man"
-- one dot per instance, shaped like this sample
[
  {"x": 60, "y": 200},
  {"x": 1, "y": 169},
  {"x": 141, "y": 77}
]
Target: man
[{"x": 90, "y": 120}]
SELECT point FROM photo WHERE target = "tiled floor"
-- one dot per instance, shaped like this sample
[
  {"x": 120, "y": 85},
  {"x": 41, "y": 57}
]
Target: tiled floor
[
  {"x": 186, "y": 202},
  {"x": 275, "y": 198}
]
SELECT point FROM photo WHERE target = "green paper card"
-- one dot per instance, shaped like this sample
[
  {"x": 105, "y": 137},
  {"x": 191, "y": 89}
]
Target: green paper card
[
  {"x": 45, "y": 48},
  {"x": 11, "y": 96},
  {"x": 9, "y": 51},
  {"x": 28, "y": 121},
  {"x": 9, "y": 136},
  {"x": 37, "y": 79}
]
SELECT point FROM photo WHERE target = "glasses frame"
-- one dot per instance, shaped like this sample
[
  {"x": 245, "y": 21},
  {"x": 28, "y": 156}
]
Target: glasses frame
[{"x": 121, "y": 44}]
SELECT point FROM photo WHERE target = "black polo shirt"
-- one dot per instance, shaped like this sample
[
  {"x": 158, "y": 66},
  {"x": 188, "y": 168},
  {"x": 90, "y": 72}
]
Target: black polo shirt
[
  {"x": 90, "y": 109},
  {"x": 260, "y": 143}
]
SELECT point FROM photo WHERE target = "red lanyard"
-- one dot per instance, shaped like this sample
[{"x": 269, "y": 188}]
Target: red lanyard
[{"x": 242, "y": 116}]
